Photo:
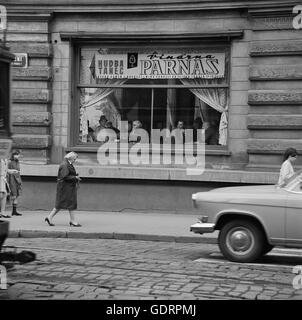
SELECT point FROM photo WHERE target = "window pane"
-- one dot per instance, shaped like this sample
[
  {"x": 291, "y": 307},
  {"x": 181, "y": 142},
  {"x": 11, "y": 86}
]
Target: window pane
[
  {"x": 170, "y": 106},
  {"x": 116, "y": 105}
]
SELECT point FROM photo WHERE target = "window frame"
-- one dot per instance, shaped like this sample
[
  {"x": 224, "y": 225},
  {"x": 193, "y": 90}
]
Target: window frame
[{"x": 221, "y": 46}]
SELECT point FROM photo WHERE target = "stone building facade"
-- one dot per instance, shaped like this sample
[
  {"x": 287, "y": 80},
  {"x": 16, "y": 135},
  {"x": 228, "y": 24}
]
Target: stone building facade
[{"x": 264, "y": 88}]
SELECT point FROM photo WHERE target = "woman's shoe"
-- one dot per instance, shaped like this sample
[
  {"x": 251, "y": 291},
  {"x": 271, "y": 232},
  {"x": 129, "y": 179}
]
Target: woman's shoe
[
  {"x": 49, "y": 223},
  {"x": 5, "y": 216},
  {"x": 74, "y": 224},
  {"x": 16, "y": 214}
]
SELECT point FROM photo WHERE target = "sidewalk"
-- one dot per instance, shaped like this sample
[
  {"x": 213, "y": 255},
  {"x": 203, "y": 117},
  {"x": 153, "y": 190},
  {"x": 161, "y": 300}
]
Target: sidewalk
[{"x": 110, "y": 225}]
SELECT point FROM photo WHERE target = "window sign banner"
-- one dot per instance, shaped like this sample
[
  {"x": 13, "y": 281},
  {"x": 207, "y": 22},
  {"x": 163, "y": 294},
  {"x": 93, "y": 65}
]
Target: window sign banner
[{"x": 159, "y": 65}]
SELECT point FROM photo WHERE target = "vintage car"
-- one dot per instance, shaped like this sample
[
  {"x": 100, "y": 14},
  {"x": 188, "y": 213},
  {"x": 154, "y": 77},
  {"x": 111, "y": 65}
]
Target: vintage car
[{"x": 251, "y": 219}]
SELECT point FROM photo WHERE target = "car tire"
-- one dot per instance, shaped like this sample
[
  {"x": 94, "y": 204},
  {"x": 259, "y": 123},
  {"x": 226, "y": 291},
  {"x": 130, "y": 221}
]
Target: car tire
[
  {"x": 241, "y": 241},
  {"x": 267, "y": 248}
]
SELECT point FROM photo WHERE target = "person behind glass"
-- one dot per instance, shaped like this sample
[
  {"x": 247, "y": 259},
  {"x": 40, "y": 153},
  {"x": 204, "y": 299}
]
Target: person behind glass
[
  {"x": 102, "y": 125},
  {"x": 109, "y": 125},
  {"x": 181, "y": 126},
  {"x": 212, "y": 132},
  {"x": 90, "y": 135},
  {"x": 197, "y": 124},
  {"x": 14, "y": 180},
  {"x": 67, "y": 185},
  {"x": 287, "y": 170},
  {"x": 109, "y": 133},
  {"x": 180, "y": 133},
  {"x": 4, "y": 187},
  {"x": 136, "y": 124}
]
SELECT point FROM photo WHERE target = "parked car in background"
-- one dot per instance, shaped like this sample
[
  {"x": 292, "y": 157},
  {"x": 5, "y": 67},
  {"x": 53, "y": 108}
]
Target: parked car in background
[{"x": 251, "y": 219}]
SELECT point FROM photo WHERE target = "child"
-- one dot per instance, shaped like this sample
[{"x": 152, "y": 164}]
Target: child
[
  {"x": 4, "y": 187},
  {"x": 14, "y": 180}
]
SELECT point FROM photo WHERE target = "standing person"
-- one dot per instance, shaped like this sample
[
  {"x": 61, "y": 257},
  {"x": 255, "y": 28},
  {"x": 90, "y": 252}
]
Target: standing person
[
  {"x": 197, "y": 124},
  {"x": 4, "y": 188},
  {"x": 66, "y": 196},
  {"x": 287, "y": 170},
  {"x": 14, "y": 180}
]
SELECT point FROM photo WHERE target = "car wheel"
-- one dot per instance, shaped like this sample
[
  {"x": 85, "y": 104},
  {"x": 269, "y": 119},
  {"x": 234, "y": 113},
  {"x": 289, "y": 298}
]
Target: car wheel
[
  {"x": 241, "y": 241},
  {"x": 267, "y": 248}
]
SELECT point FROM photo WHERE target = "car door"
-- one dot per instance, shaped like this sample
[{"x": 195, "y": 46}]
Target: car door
[{"x": 293, "y": 222}]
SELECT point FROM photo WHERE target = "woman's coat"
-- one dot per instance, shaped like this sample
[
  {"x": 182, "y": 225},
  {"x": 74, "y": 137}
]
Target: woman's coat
[
  {"x": 14, "y": 179},
  {"x": 66, "y": 197}
]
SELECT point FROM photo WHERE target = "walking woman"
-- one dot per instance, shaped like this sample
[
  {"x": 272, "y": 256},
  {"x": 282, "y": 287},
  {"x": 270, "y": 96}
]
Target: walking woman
[
  {"x": 287, "y": 170},
  {"x": 67, "y": 184},
  {"x": 14, "y": 180}
]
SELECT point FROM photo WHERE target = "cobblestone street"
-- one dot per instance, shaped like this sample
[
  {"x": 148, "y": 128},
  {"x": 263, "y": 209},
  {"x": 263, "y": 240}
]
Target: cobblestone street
[{"x": 118, "y": 269}]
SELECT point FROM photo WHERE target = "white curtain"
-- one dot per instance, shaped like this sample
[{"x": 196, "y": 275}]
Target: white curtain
[
  {"x": 97, "y": 99},
  {"x": 200, "y": 110},
  {"x": 214, "y": 97},
  {"x": 171, "y": 105}
]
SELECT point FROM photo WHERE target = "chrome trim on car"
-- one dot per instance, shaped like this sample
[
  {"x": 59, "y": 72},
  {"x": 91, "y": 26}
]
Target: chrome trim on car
[{"x": 200, "y": 227}]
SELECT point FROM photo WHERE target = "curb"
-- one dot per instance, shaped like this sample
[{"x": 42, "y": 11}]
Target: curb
[{"x": 113, "y": 235}]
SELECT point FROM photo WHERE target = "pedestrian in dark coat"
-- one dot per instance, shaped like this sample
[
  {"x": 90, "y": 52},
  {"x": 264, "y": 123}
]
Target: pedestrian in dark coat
[
  {"x": 14, "y": 180},
  {"x": 67, "y": 185}
]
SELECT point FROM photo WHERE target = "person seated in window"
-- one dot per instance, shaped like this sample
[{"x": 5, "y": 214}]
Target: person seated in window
[
  {"x": 136, "y": 124},
  {"x": 110, "y": 126},
  {"x": 211, "y": 132},
  {"x": 102, "y": 125},
  {"x": 90, "y": 135},
  {"x": 109, "y": 133},
  {"x": 197, "y": 124},
  {"x": 181, "y": 126},
  {"x": 180, "y": 133},
  {"x": 129, "y": 127}
]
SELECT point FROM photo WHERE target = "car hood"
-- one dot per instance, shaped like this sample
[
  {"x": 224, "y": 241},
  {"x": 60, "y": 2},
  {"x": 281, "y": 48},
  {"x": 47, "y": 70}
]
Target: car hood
[
  {"x": 258, "y": 194},
  {"x": 258, "y": 189}
]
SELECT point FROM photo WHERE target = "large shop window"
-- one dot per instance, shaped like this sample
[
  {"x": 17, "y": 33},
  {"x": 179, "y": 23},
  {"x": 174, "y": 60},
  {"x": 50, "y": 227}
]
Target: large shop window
[{"x": 153, "y": 89}]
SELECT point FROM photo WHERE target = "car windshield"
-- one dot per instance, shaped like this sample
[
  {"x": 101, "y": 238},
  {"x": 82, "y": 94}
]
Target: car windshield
[{"x": 294, "y": 184}]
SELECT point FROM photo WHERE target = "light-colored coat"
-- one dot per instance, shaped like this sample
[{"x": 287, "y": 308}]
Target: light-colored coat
[{"x": 3, "y": 174}]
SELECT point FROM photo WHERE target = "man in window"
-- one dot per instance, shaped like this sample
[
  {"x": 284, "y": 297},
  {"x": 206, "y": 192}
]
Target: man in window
[
  {"x": 102, "y": 125},
  {"x": 211, "y": 132},
  {"x": 197, "y": 125},
  {"x": 110, "y": 133}
]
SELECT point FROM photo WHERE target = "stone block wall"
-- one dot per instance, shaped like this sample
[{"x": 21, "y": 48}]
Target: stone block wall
[
  {"x": 31, "y": 86},
  {"x": 275, "y": 96}
]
